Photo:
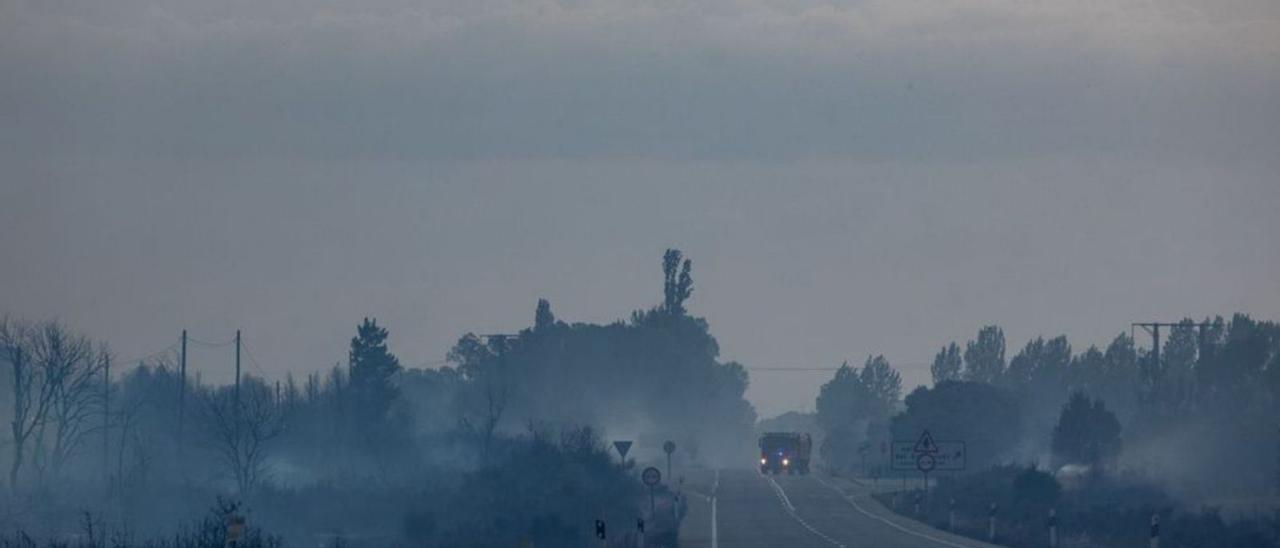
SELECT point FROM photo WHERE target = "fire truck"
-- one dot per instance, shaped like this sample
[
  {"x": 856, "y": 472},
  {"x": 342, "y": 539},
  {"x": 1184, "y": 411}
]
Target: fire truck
[{"x": 785, "y": 452}]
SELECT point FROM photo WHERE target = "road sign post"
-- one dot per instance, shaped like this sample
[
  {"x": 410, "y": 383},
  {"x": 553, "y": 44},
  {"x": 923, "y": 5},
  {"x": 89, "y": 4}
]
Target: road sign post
[
  {"x": 651, "y": 477},
  {"x": 925, "y": 463},
  {"x": 925, "y": 455},
  {"x": 669, "y": 447}
]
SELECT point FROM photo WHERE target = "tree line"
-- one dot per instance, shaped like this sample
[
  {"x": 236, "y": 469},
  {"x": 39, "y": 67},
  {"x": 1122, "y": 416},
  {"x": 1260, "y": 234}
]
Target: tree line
[
  {"x": 1204, "y": 408},
  {"x": 1106, "y": 438},
  {"x": 369, "y": 452}
]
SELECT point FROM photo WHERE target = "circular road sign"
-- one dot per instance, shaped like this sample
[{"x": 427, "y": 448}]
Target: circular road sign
[
  {"x": 926, "y": 462},
  {"x": 669, "y": 446},
  {"x": 651, "y": 476}
]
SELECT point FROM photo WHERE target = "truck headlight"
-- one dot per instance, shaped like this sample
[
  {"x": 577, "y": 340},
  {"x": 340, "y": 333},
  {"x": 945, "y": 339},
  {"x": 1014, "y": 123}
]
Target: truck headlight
[
  {"x": 764, "y": 460},
  {"x": 786, "y": 462}
]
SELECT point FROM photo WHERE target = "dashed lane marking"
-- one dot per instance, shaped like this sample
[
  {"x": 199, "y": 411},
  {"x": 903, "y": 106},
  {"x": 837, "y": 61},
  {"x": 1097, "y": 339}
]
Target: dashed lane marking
[{"x": 786, "y": 503}]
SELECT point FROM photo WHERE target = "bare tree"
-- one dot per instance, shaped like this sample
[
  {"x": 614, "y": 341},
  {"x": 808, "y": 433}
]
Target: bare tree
[
  {"x": 239, "y": 434},
  {"x": 32, "y": 396},
  {"x": 71, "y": 369}
]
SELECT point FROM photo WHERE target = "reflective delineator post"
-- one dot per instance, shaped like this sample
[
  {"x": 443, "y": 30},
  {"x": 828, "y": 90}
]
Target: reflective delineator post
[
  {"x": 991, "y": 522},
  {"x": 1155, "y": 531},
  {"x": 951, "y": 515},
  {"x": 1053, "y": 528}
]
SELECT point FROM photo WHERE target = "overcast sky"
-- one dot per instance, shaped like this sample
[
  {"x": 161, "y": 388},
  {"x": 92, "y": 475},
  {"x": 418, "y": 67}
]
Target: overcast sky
[{"x": 849, "y": 178}]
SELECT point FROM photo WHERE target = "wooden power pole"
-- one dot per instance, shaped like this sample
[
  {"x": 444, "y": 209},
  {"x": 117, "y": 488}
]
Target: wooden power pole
[{"x": 182, "y": 396}]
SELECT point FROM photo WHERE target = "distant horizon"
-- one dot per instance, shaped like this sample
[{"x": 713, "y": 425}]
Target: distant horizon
[{"x": 203, "y": 350}]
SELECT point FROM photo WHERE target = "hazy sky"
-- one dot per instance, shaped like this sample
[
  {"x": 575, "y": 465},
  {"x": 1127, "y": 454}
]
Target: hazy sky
[{"x": 849, "y": 177}]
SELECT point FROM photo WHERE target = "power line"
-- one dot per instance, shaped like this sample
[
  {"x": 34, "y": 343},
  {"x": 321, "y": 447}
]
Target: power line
[
  {"x": 785, "y": 369},
  {"x": 253, "y": 361},
  {"x": 208, "y": 344},
  {"x": 157, "y": 353}
]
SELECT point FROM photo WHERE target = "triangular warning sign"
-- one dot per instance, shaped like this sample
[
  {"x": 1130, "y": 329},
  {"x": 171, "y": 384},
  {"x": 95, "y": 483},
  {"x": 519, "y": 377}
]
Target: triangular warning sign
[
  {"x": 925, "y": 444},
  {"x": 622, "y": 447}
]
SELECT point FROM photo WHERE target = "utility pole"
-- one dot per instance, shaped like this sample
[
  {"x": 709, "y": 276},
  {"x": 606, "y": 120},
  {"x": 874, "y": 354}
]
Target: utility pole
[
  {"x": 182, "y": 395},
  {"x": 237, "y": 402},
  {"x": 237, "y": 369},
  {"x": 1154, "y": 329},
  {"x": 106, "y": 420}
]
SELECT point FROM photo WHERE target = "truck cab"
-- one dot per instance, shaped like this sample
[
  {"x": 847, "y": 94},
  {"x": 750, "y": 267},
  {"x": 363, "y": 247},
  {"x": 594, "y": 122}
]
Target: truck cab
[{"x": 785, "y": 452}]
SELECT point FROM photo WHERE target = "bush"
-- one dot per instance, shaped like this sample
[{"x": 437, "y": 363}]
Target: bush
[
  {"x": 1109, "y": 511},
  {"x": 1036, "y": 487}
]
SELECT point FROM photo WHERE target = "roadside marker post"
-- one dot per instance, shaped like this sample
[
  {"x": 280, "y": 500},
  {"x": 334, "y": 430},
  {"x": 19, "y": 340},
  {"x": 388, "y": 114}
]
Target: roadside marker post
[
  {"x": 951, "y": 516},
  {"x": 235, "y": 530},
  {"x": 991, "y": 522},
  {"x": 1155, "y": 531},
  {"x": 1053, "y": 528},
  {"x": 862, "y": 451},
  {"x": 600, "y": 533}
]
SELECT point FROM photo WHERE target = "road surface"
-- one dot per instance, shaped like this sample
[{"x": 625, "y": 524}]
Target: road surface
[{"x": 741, "y": 508}]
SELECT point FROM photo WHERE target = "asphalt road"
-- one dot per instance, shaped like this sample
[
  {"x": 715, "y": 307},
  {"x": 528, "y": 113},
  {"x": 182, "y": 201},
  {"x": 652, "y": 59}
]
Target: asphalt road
[{"x": 741, "y": 508}]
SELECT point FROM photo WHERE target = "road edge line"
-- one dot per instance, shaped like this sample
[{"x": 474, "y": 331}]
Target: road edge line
[{"x": 864, "y": 512}]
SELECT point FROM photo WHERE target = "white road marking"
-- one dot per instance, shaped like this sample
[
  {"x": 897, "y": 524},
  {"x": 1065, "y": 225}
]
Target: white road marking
[
  {"x": 864, "y": 512},
  {"x": 786, "y": 503}
]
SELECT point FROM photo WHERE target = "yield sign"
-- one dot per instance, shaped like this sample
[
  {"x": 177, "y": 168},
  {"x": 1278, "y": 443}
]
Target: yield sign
[
  {"x": 925, "y": 444},
  {"x": 622, "y": 447}
]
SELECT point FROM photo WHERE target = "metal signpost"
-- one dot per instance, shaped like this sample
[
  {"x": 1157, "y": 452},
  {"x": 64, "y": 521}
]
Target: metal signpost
[
  {"x": 949, "y": 456},
  {"x": 651, "y": 477},
  {"x": 669, "y": 447},
  {"x": 925, "y": 455}
]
